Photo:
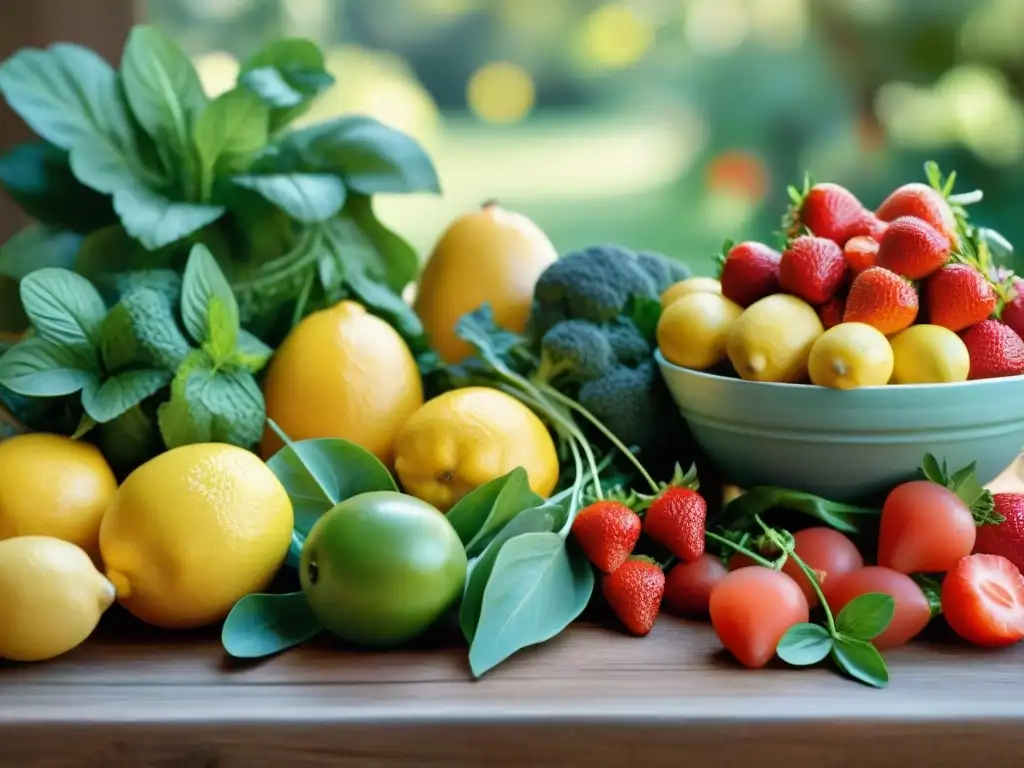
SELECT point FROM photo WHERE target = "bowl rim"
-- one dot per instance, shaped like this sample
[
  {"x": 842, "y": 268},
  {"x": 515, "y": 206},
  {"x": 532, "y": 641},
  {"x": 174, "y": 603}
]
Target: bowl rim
[{"x": 785, "y": 386}]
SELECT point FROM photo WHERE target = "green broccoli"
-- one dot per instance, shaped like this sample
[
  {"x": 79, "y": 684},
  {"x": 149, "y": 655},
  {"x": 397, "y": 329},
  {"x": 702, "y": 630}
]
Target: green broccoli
[
  {"x": 628, "y": 343},
  {"x": 574, "y": 350}
]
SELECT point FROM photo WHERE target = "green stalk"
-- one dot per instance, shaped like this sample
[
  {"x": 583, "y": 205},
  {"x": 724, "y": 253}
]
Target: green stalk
[
  {"x": 743, "y": 550},
  {"x": 812, "y": 577}
]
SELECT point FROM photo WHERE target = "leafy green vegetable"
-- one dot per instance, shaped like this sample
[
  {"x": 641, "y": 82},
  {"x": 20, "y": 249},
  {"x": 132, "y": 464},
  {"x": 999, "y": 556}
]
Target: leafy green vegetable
[
  {"x": 203, "y": 288},
  {"x": 262, "y": 625},
  {"x": 141, "y": 328},
  {"x": 228, "y": 133}
]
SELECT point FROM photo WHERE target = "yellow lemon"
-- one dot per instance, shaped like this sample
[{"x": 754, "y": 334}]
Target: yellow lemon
[
  {"x": 689, "y": 285},
  {"x": 51, "y": 485},
  {"x": 929, "y": 354},
  {"x": 851, "y": 355},
  {"x": 466, "y": 437},
  {"x": 492, "y": 256},
  {"x": 51, "y": 597},
  {"x": 692, "y": 331},
  {"x": 192, "y": 531},
  {"x": 772, "y": 339},
  {"x": 342, "y": 372}
]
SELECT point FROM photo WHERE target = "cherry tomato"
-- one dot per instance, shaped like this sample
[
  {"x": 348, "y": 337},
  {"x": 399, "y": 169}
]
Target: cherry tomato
[
  {"x": 752, "y": 608},
  {"x": 912, "y": 612},
  {"x": 983, "y": 600},
  {"x": 688, "y": 585},
  {"x": 739, "y": 560},
  {"x": 925, "y": 528},
  {"x": 825, "y": 550}
]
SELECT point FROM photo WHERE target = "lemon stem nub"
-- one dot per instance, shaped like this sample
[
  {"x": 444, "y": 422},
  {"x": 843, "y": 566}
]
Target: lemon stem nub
[
  {"x": 757, "y": 363},
  {"x": 108, "y": 594},
  {"x": 839, "y": 367},
  {"x": 122, "y": 586}
]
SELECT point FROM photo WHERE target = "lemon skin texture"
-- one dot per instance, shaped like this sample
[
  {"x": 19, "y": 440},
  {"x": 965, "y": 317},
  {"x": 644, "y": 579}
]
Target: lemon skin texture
[
  {"x": 849, "y": 356},
  {"x": 693, "y": 330},
  {"x": 689, "y": 285},
  {"x": 929, "y": 354},
  {"x": 772, "y": 339}
]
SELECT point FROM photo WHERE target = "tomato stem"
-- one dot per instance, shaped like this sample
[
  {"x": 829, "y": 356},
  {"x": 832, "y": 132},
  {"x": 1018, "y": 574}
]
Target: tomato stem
[{"x": 742, "y": 550}]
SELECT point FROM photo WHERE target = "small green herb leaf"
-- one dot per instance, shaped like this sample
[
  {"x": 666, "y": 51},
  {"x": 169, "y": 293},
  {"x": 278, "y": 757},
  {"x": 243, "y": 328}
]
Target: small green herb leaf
[
  {"x": 203, "y": 281},
  {"x": 307, "y": 197},
  {"x": 645, "y": 313},
  {"x": 847, "y": 518},
  {"x": 142, "y": 328},
  {"x": 223, "y": 330},
  {"x": 966, "y": 485},
  {"x": 251, "y": 353},
  {"x": 400, "y": 261},
  {"x": 39, "y": 368},
  {"x": 232, "y": 128},
  {"x": 804, "y": 645},
  {"x": 479, "y": 516},
  {"x": 931, "y": 585},
  {"x": 866, "y": 616},
  {"x": 123, "y": 391},
  {"x": 861, "y": 661},
  {"x": 37, "y": 247},
  {"x": 64, "y": 307},
  {"x": 156, "y": 221},
  {"x": 262, "y": 625},
  {"x": 286, "y": 74}
]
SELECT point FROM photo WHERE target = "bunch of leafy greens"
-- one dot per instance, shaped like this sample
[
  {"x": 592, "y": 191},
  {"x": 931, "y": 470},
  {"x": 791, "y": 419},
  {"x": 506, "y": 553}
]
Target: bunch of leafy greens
[{"x": 137, "y": 166}]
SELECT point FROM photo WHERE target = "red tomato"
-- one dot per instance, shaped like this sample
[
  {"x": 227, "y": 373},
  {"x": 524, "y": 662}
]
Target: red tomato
[
  {"x": 912, "y": 612},
  {"x": 825, "y": 550},
  {"x": 752, "y": 608},
  {"x": 983, "y": 600},
  {"x": 739, "y": 560},
  {"x": 925, "y": 528},
  {"x": 688, "y": 585}
]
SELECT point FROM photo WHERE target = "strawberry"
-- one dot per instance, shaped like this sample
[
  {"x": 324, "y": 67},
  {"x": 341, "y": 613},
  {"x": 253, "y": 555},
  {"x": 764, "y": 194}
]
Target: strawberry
[
  {"x": 860, "y": 253},
  {"x": 983, "y": 600},
  {"x": 922, "y": 202},
  {"x": 881, "y": 299},
  {"x": 634, "y": 591},
  {"x": 959, "y": 296},
  {"x": 829, "y": 211},
  {"x": 1005, "y": 538},
  {"x": 750, "y": 271},
  {"x": 812, "y": 268},
  {"x": 995, "y": 350},
  {"x": 607, "y": 531},
  {"x": 1013, "y": 310},
  {"x": 831, "y": 312},
  {"x": 676, "y": 520},
  {"x": 913, "y": 248}
]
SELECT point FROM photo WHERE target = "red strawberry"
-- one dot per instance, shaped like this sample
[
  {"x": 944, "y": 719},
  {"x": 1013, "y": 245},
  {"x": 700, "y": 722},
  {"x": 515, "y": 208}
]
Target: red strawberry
[
  {"x": 995, "y": 350},
  {"x": 812, "y": 268},
  {"x": 860, "y": 253},
  {"x": 959, "y": 296},
  {"x": 922, "y": 202},
  {"x": 676, "y": 519},
  {"x": 913, "y": 248},
  {"x": 832, "y": 212},
  {"x": 1005, "y": 538},
  {"x": 607, "y": 531},
  {"x": 750, "y": 271},
  {"x": 882, "y": 299},
  {"x": 831, "y": 312},
  {"x": 1013, "y": 310},
  {"x": 634, "y": 592}
]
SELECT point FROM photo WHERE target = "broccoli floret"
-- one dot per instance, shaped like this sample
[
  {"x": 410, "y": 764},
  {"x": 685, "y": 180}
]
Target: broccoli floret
[
  {"x": 664, "y": 272},
  {"x": 575, "y": 350},
  {"x": 627, "y": 342}
]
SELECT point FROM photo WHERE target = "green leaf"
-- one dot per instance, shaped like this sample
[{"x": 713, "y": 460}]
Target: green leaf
[
  {"x": 107, "y": 252},
  {"x": 539, "y": 585},
  {"x": 931, "y": 585},
  {"x": 513, "y": 497},
  {"x": 40, "y": 368},
  {"x": 130, "y": 440},
  {"x": 250, "y": 353},
  {"x": 320, "y": 473},
  {"x": 861, "y": 661},
  {"x": 545, "y": 518},
  {"x": 142, "y": 328},
  {"x": 400, "y": 261},
  {"x": 204, "y": 281},
  {"x": 307, "y": 198},
  {"x": 262, "y": 625},
  {"x": 231, "y": 129},
  {"x": 847, "y": 518},
  {"x": 804, "y": 645},
  {"x": 288, "y": 75},
  {"x": 155, "y": 221},
  {"x": 223, "y": 331},
  {"x": 64, "y": 307},
  {"x": 645, "y": 313},
  {"x": 122, "y": 392},
  {"x": 388, "y": 305},
  {"x": 470, "y": 513},
  {"x": 38, "y": 246},
  {"x": 866, "y": 616}
]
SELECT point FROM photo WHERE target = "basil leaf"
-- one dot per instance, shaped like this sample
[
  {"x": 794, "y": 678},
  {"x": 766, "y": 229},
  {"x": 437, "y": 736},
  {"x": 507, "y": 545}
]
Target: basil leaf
[
  {"x": 847, "y": 518},
  {"x": 307, "y": 198},
  {"x": 288, "y": 75},
  {"x": 320, "y": 473},
  {"x": 804, "y": 645},
  {"x": 866, "y": 616},
  {"x": 142, "y": 328},
  {"x": 35, "y": 247},
  {"x": 203, "y": 282},
  {"x": 232, "y": 128},
  {"x": 40, "y": 368},
  {"x": 262, "y": 625},
  {"x": 154, "y": 220},
  {"x": 400, "y": 262},
  {"x": 388, "y": 305},
  {"x": 123, "y": 391},
  {"x": 861, "y": 661},
  {"x": 64, "y": 307},
  {"x": 538, "y": 586}
]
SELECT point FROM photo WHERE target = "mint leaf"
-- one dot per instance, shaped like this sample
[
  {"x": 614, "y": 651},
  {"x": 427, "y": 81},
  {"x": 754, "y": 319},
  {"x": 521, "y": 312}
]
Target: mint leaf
[
  {"x": 142, "y": 327},
  {"x": 262, "y": 625},
  {"x": 40, "y": 368},
  {"x": 231, "y": 129},
  {"x": 866, "y": 616},
  {"x": 804, "y": 645},
  {"x": 250, "y": 353},
  {"x": 204, "y": 281},
  {"x": 36, "y": 247},
  {"x": 122, "y": 392},
  {"x": 861, "y": 661},
  {"x": 308, "y": 198},
  {"x": 223, "y": 330},
  {"x": 288, "y": 75},
  {"x": 64, "y": 307}
]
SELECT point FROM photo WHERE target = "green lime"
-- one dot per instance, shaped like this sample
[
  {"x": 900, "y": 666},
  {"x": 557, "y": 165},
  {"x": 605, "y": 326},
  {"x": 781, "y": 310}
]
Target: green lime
[{"x": 380, "y": 568}]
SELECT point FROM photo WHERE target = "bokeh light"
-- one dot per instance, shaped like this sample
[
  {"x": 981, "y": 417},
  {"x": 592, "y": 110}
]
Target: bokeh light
[
  {"x": 501, "y": 92},
  {"x": 218, "y": 71},
  {"x": 615, "y": 36},
  {"x": 716, "y": 26},
  {"x": 739, "y": 173}
]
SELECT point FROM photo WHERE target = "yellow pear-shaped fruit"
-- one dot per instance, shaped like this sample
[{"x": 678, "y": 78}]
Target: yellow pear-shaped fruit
[
  {"x": 51, "y": 597},
  {"x": 489, "y": 256},
  {"x": 693, "y": 330},
  {"x": 689, "y": 285},
  {"x": 772, "y": 339},
  {"x": 849, "y": 356}
]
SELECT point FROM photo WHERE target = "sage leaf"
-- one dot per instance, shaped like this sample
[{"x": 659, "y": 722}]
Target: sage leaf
[
  {"x": 481, "y": 523},
  {"x": 320, "y": 473},
  {"x": 308, "y": 198},
  {"x": 36, "y": 247},
  {"x": 122, "y": 392},
  {"x": 202, "y": 283},
  {"x": 262, "y": 625},
  {"x": 538, "y": 586},
  {"x": 866, "y": 616},
  {"x": 287, "y": 75},
  {"x": 64, "y": 307},
  {"x": 861, "y": 661},
  {"x": 471, "y": 511},
  {"x": 231, "y": 129},
  {"x": 36, "y": 367},
  {"x": 804, "y": 645}
]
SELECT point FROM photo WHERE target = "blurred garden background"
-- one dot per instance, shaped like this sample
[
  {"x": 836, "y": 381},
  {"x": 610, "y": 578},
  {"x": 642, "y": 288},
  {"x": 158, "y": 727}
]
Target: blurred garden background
[{"x": 661, "y": 124}]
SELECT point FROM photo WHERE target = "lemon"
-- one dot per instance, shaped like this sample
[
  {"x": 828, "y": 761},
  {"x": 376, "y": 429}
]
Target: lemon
[
  {"x": 192, "y": 531},
  {"x": 692, "y": 331},
  {"x": 929, "y": 354},
  {"x": 51, "y": 485},
  {"x": 342, "y": 372},
  {"x": 772, "y": 339},
  {"x": 689, "y": 285},
  {"x": 51, "y": 597},
  {"x": 851, "y": 355},
  {"x": 466, "y": 437}
]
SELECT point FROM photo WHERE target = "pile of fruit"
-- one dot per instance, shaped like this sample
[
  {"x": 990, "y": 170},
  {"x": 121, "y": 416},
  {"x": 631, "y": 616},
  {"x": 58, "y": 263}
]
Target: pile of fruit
[{"x": 907, "y": 294}]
